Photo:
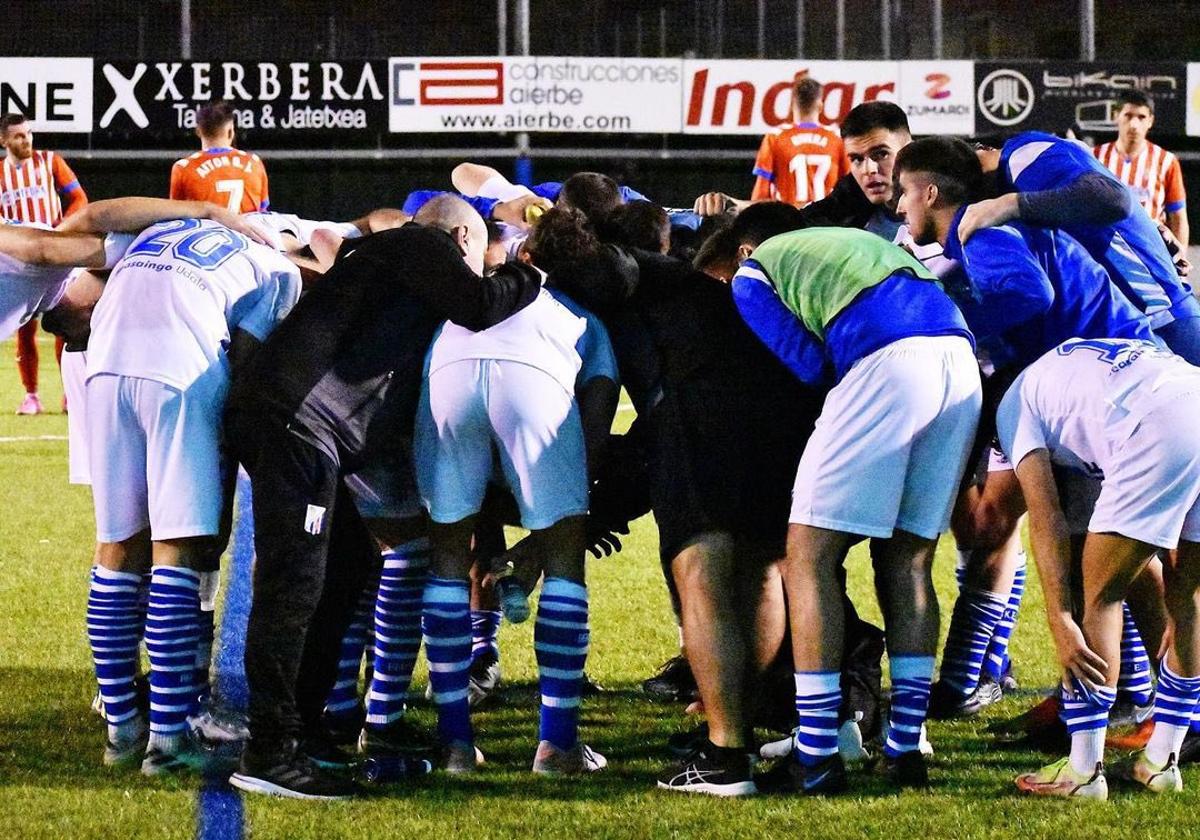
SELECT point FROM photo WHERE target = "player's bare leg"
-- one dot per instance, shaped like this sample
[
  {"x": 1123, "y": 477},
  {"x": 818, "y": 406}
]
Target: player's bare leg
[{"x": 713, "y": 633}]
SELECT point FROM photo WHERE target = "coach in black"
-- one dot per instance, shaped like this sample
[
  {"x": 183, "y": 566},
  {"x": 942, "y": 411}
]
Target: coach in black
[{"x": 335, "y": 386}]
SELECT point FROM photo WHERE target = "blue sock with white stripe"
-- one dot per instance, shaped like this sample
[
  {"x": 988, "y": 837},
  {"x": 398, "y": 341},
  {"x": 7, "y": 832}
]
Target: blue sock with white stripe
[
  {"x": 446, "y": 622},
  {"x": 1085, "y": 713},
  {"x": 1174, "y": 705},
  {"x": 172, "y": 636},
  {"x": 343, "y": 697},
  {"x": 996, "y": 661},
  {"x": 560, "y": 644},
  {"x": 114, "y": 631},
  {"x": 972, "y": 625},
  {"x": 485, "y": 625},
  {"x": 912, "y": 677},
  {"x": 397, "y": 630},
  {"x": 818, "y": 698},
  {"x": 1135, "y": 679}
]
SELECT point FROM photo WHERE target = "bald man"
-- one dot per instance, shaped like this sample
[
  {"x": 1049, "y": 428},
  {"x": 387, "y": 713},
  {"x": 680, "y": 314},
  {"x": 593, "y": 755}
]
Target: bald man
[{"x": 333, "y": 390}]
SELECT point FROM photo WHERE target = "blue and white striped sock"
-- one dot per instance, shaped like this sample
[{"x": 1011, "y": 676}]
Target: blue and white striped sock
[
  {"x": 1174, "y": 705},
  {"x": 397, "y": 630},
  {"x": 976, "y": 615},
  {"x": 343, "y": 697},
  {"x": 818, "y": 697},
  {"x": 912, "y": 677},
  {"x": 172, "y": 635},
  {"x": 996, "y": 661},
  {"x": 1085, "y": 713},
  {"x": 962, "y": 560},
  {"x": 446, "y": 623},
  {"x": 560, "y": 644},
  {"x": 114, "y": 631},
  {"x": 485, "y": 624},
  {"x": 1136, "y": 678}
]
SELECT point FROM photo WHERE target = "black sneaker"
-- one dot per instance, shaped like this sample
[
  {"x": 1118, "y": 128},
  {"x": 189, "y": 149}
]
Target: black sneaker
[
  {"x": 674, "y": 682},
  {"x": 790, "y": 776},
  {"x": 946, "y": 702},
  {"x": 1189, "y": 753},
  {"x": 712, "y": 770},
  {"x": 684, "y": 744},
  {"x": 320, "y": 748},
  {"x": 485, "y": 677},
  {"x": 589, "y": 687},
  {"x": 343, "y": 727},
  {"x": 400, "y": 737},
  {"x": 907, "y": 770},
  {"x": 287, "y": 772}
]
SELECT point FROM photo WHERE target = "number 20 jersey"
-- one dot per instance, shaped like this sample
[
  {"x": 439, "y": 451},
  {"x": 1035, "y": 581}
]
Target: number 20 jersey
[{"x": 172, "y": 303}]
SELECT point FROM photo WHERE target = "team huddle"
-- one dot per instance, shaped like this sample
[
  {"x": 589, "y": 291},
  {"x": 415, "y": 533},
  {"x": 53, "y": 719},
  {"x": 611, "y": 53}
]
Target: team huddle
[{"x": 949, "y": 337}]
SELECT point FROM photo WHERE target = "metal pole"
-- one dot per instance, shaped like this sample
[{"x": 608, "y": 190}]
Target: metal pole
[
  {"x": 885, "y": 29},
  {"x": 1087, "y": 30},
  {"x": 662, "y": 31},
  {"x": 839, "y": 47},
  {"x": 937, "y": 28},
  {"x": 185, "y": 29},
  {"x": 799, "y": 28},
  {"x": 637, "y": 33},
  {"x": 719, "y": 16},
  {"x": 523, "y": 168},
  {"x": 501, "y": 28},
  {"x": 762, "y": 28}
]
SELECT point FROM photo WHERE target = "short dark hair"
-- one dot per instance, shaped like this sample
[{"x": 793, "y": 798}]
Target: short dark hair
[
  {"x": 950, "y": 163},
  {"x": 808, "y": 93},
  {"x": 9, "y": 120},
  {"x": 591, "y": 193},
  {"x": 639, "y": 224},
  {"x": 1136, "y": 98},
  {"x": 762, "y": 220},
  {"x": 865, "y": 118},
  {"x": 214, "y": 116},
  {"x": 561, "y": 237}
]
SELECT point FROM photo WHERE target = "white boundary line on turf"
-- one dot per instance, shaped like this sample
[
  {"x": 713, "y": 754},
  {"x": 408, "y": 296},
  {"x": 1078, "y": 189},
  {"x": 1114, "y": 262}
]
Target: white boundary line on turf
[{"x": 31, "y": 438}]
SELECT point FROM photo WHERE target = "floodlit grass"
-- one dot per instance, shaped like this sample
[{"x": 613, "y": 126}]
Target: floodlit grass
[{"x": 52, "y": 784}]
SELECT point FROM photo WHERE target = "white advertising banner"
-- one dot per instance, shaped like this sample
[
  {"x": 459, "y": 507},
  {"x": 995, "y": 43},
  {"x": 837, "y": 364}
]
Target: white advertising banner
[
  {"x": 1193, "y": 99},
  {"x": 751, "y": 97},
  {"x": 536, "y": 94},
  {"x": 938, "y": 96},
  {"x": 54, "y": 93}
]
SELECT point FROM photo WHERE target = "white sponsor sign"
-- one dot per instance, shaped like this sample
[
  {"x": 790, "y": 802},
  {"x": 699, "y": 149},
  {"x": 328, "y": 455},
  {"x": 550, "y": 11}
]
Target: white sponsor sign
[
  {"x": 751, "y": 97},
  {"x": 1193, "y": 99},
  {"x": 938, "y": 96},
  {"x": 54, "y": 93},
  {"x": 536, "y": 94}
]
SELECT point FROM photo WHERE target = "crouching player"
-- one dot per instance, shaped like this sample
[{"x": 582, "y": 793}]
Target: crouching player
[
  {"x": 188, "y": 298},
  {"x": 892, "y": 439},
  {"x": 1112, "y": 408},
  {"x": 511, "y": 388}
]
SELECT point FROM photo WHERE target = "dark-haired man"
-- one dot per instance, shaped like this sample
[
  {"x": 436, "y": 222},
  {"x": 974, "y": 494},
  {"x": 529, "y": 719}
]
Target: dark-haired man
[{"x": 219, "y": 173}]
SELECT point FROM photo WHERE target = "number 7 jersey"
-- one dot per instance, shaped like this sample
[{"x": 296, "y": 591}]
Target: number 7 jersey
[
  {"x": 172, "y": 303},
  {"x": 229, "y": 178}
]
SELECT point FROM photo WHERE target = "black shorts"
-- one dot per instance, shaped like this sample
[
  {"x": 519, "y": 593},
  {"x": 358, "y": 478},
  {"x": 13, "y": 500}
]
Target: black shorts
[{"x": 724, "y": 460}]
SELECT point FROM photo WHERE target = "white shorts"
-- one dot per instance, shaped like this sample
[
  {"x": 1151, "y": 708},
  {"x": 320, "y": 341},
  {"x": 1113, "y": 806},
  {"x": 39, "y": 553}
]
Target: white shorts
[
  {"x": 74, "y": 379},
  {"x": 386, "y": 488},
  {"x": 471, "y": 407},
  {"x": 892, "y": 441},
  {"x": 155, "y": 457},
  {"x": 1151, "y": 490}
]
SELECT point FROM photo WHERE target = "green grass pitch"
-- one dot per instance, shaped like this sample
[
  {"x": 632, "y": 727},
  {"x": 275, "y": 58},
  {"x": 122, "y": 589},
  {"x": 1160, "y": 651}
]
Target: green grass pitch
[{"x": 53, "y": 786}]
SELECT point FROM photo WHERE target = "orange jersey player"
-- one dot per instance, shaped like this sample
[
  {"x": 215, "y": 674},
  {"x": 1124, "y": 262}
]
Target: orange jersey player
[
  {"x": 801, "y": 163},
  {"x": 218, "y": 173}
]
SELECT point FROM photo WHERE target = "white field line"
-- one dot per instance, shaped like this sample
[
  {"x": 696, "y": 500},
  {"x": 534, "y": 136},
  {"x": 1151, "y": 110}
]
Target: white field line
[{"x": 31, "y": 438}]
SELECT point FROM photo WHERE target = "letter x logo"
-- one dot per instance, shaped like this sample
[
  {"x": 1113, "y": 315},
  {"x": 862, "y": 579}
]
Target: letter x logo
[{"x": 124, "y": 96}]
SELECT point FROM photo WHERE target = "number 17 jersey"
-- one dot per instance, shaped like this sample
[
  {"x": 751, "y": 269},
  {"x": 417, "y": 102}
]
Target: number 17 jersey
[
  {"x": 172, "y": 303},
  {"x": 798, "y": 164}
]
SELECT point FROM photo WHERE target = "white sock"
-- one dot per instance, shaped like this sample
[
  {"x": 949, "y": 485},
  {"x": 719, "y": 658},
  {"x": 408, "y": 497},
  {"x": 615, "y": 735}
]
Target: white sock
[
  {"x": 1166, "y": 738},
  {"x": 1087, "y": 749}
]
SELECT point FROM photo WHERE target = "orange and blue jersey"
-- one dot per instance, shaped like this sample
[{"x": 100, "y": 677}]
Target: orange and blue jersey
[
  {"x": 230, "y": 178},
  {"x": 798, "y": 164}
]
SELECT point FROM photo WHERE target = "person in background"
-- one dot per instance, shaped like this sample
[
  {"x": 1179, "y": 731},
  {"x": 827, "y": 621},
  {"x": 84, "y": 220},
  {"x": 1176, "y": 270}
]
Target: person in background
[
  {"x": 36, "y": 187},
  {"x": 229, "y": 177}
]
